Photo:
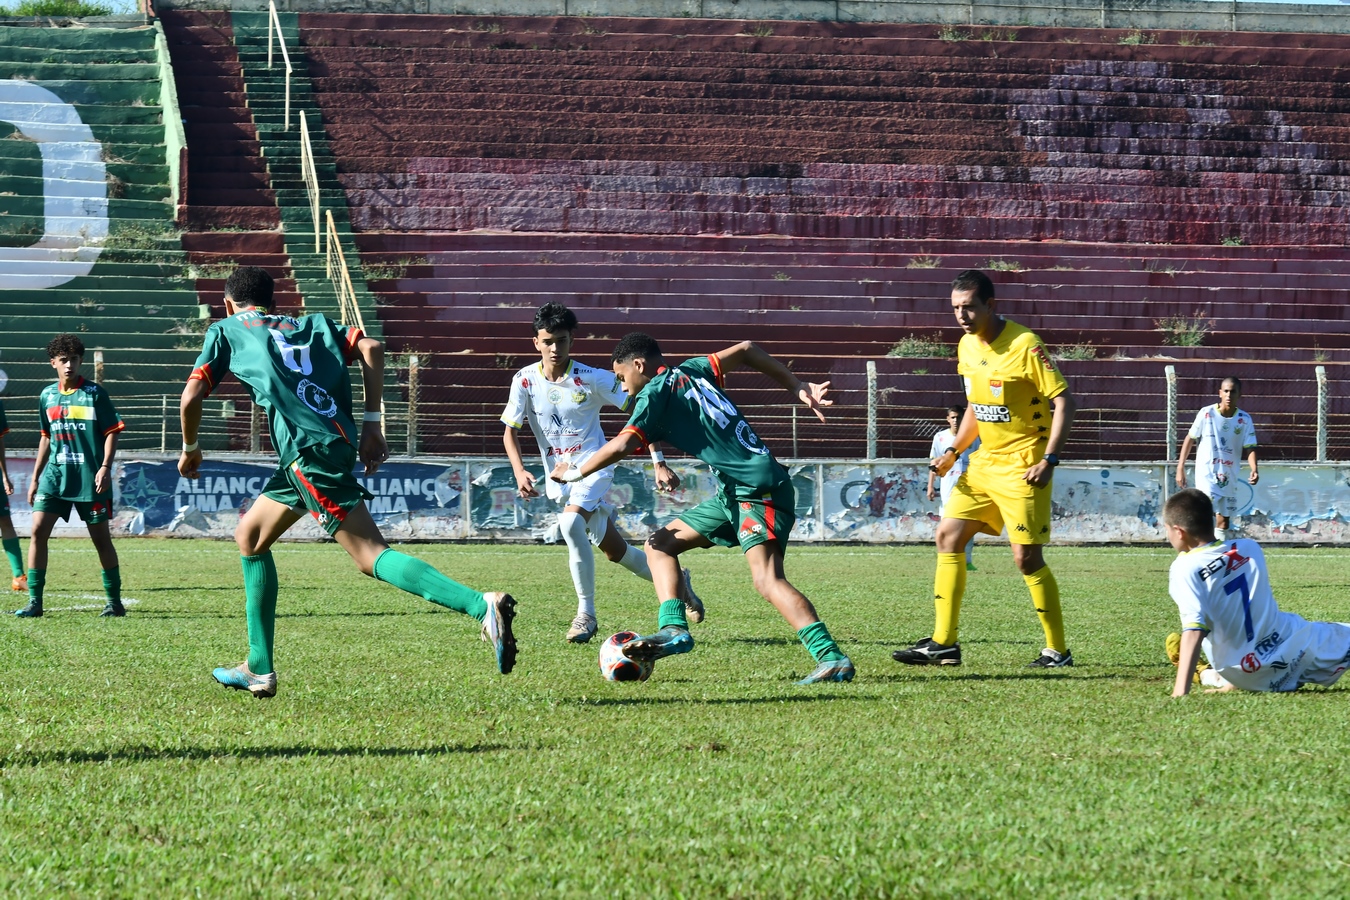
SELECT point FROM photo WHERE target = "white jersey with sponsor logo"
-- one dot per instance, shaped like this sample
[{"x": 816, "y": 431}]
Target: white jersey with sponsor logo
[
  {"x": 1223, "y": 588},
  {"x": 1221, "y": 441},
  {"x": 941, "y": 441},
  {"x": 565, "y": 414}
]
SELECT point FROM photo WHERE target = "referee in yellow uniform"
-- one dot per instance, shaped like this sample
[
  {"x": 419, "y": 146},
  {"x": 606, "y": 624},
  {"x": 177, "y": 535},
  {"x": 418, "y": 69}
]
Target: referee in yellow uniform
[{"x": 1021, "y": 410}]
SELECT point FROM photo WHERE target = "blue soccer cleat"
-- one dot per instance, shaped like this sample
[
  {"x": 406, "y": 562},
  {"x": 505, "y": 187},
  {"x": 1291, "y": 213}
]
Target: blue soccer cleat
[
  {"x": 667, "y": 642},
  {"x": 241, "y": 679},
  {"x": 831, "y": 670},
  {"x": 501, "y": 611},
  {"x": 32, "y": 611}
]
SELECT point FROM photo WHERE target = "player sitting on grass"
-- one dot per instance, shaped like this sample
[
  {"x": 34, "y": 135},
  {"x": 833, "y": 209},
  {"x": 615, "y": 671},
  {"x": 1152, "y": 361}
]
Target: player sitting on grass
[
  {"x": 9, "y": 537},
  {"x": 562, "y": 399},
  {"x": 755, "y": 506},
  {"x": 296, "y": 370},
  {"x": 1222, "y": 589},
  {"x": 78, "y": 418}
]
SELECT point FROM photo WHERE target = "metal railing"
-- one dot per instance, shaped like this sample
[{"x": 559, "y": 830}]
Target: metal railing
[
  {"x": 336, "y": 267},
  {"x": 273, "y": 21},
  {"x": 310, "y": 174}
]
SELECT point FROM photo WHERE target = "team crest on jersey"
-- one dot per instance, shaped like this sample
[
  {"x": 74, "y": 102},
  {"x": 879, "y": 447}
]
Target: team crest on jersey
[
  {"x": 996, "y": 388},
  {"x": 554, "y": 395},
  {"x": 316, "y": 398},
  {"x": 748, "y": 439},
  {"x": 578, "y": 396}
]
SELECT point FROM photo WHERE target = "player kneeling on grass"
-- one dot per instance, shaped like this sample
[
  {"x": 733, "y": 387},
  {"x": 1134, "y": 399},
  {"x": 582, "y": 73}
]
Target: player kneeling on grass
[
  {"x": 1222, "y": 589},
  {"x": 562, "y": 399},
  {"x": 296, "y": 370},
  {"x": 685, "y": 406}
]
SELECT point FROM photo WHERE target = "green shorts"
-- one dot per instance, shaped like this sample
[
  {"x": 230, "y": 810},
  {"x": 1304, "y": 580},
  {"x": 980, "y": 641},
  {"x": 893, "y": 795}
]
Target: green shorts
[
  {"x": 322, "y": 482},
  {"x": 746, "y": 522},
  {"x": 91, "y": 511}
]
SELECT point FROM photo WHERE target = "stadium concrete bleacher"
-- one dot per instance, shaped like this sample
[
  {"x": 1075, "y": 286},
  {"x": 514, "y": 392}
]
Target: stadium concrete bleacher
[
  {"x": 810, "y": 185},
  {"x": 89, "y": 182}
]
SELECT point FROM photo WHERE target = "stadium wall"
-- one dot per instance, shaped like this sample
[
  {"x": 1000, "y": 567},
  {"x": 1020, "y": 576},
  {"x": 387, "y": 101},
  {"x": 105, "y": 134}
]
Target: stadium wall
[
  {"x": 1171, "y": 15},
  {"x": 882, "y": 501}
]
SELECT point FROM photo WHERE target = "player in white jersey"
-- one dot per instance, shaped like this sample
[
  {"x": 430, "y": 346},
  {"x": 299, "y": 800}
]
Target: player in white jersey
[
  {"x": 941, "y": 441},
  {"x": 561, "y": 400},
  {"x": 1222, "y": 589},
  {"x": 1224, "y": 433}
]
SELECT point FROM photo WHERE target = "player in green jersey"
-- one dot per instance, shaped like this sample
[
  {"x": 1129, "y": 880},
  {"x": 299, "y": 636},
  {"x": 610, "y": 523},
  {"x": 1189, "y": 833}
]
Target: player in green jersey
[
  {"x": 755, "y": 506},
  {"x": 73, "y": 469},
  {"x": 296, "y": 370},
  {"x": 8, "y": 536}
]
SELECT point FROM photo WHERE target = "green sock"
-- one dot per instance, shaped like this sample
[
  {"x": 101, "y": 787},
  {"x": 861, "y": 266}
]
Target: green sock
[
  {"x": 112, "y": 584},
  {"x": 416, "y": 577},
  {"x": 37, "y": 580},
  {"x": 672, "y": 613},
  {"x": 15, "y": 557},
  {"x": 817, "y": 641},
  {"x": 260, "y": 609}
]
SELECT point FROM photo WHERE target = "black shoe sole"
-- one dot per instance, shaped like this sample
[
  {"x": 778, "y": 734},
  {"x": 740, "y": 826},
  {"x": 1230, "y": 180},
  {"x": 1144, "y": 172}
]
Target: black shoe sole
[
  {"x": 923, "y": 662},
  {"x": 506, "y": 614},
  {"x": 117, "y": 613}
]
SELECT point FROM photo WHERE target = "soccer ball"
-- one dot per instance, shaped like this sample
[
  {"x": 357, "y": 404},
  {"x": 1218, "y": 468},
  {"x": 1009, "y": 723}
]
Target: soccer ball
[{"x": 617, "y": 667}]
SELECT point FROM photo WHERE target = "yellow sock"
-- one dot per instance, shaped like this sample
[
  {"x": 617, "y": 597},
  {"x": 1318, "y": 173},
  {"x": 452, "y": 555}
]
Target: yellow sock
[
  {"x": 1045, "y": 597},
  {"x": 949, "y": 586}
]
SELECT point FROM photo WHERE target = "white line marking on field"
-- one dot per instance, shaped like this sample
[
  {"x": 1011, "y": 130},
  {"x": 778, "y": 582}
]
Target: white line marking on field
[{"x": 102, "y": 600}]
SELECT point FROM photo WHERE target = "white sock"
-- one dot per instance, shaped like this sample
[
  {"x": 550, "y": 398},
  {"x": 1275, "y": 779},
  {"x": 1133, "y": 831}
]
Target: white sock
[
  {"x": 580, "y": 559},
  {"x": 970, "y": 548},
  {"x": 635, "y": 561},
  {"x": 1219, "y": 535}
]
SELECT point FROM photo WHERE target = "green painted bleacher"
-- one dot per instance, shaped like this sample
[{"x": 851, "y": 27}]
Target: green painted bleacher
[{"x": 136, "y": 303}]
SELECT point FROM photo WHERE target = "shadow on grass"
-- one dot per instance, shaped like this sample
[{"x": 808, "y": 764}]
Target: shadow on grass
[
  {"x": 143, "y": 753},
  {"x": 908, "y": 676},
  {"x": 721, "y": 701},
  {"x": 239, "y": 614}
]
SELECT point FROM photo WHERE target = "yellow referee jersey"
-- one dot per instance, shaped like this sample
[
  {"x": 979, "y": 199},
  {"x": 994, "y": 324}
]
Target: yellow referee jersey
[{"x": 1009, "y": 385}]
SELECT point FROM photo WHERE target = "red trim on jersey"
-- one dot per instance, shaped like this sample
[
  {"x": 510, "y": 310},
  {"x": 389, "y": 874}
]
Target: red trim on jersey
[
  {"x": 329, "y": 506},
  {"x": 120, "y": 426},
  {"x": 633, "y": 429},
  {"x": 354, "y": 336},
  {"x": 5, "y": 432},
  {"x": 203, "y": 373},
  {"x": 341, "y": 432},
  {"x": 717, "y": 370}
]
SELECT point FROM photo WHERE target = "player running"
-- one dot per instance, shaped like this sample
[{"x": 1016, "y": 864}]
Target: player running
[
  {"x": 1220, "y": 429},
  {"x": 8, "y": 536},
  {"x": 73, "y": 471},
  {"x": 1021, "y": 411},
  {"x": 296, "y": 370},
  {"x": 562, "y": 399},
  {"x": 1222, "y": 590},
  {"x": 755, "y": 506}
]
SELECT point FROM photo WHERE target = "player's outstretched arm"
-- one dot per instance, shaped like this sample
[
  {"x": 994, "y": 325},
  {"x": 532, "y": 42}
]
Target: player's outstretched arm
[
  {"x": 622, "y": 446},
  {"x": 747, "y": 353},
  {"x": 524, "y": 478},
  {"x": 1190, "y": 653},
  {"x": 190, "y": 419},
  {"x": 374, "y": 449},
  {"x": 1186, "y": 446}
]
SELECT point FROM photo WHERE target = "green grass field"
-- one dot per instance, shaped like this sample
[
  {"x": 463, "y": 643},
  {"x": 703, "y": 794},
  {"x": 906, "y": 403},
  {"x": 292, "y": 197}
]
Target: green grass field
[{"x": 395, "y": 762}]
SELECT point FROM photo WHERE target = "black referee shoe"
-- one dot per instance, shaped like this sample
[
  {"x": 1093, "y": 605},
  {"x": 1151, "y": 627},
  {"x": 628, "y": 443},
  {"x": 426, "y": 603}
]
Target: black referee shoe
[{"x": 929, "y": 652}]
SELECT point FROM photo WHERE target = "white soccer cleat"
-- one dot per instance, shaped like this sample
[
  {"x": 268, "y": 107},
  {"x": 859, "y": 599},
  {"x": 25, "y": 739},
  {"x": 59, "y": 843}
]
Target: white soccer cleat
[
  {"x": 693, "y": 606},
  {"x": 582, "y": 630},
  {"x": 501, "y": 611}
]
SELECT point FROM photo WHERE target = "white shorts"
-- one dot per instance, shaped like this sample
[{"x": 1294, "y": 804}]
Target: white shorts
[
  {"x": 1318, "y": 653},
  {"x": 1223, "y": 498},
  {"x": 588, "y": 493}
]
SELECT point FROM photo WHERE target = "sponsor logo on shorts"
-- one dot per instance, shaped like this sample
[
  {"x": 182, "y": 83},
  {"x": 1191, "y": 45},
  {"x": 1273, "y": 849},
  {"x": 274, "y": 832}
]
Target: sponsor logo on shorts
[
  {"x": 1268, "y": 643},
  {"x": 987, "y": 412},
  {"x": 1022, "y": 528},
  {"x": 1250, "y": 663},
  {"x": 750, "y": 528}
]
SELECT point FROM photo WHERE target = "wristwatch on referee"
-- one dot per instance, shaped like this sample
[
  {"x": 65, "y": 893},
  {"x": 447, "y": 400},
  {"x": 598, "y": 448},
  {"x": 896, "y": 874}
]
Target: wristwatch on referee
[{"x": 1052, "y": 459}]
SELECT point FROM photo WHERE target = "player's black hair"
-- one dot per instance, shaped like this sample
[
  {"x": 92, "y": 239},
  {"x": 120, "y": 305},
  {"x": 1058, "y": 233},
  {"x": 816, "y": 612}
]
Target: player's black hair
[
  {"x": 974, "y": 280},
  {"x": 250, "y": 286},
  {"x": 65, "y": 345},
  {"x": 958, "y": 408},
  {"x": 1237, "y": 382},
  {"x": 554, "y": 317},
  {"x": 635, "y": 345},
  {"x": 1192, "y": 510}
]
